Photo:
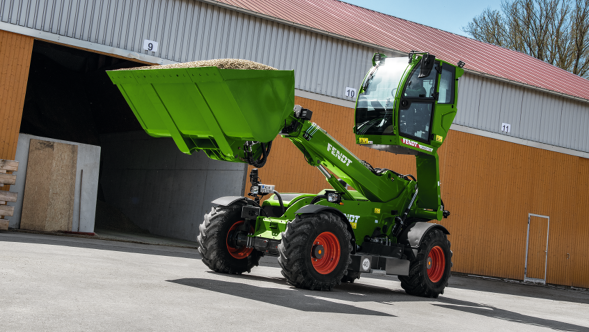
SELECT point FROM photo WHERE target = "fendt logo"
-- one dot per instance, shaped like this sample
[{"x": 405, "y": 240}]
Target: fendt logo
[
  {"x": 353, "y": 219},
  {"x": 417, "y": 145},
  {"x": 338, "y": 155}
]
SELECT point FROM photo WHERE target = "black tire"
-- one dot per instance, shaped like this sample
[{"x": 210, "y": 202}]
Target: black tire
[
  {"x": 212, "y": 243},
  {"x": 297, "y": 244},
  {"x": 418, "y": 282}
]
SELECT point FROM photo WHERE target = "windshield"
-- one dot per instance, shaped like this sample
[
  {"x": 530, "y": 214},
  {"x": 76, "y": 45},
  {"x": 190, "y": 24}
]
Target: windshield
[{"x": 375, "y": 104}]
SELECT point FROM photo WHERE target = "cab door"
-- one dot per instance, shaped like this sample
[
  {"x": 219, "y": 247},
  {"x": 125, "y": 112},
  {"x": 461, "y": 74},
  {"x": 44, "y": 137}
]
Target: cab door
[
  {"x": 417, "y": 105},
  {"x": 426, "y": 103},
  {"x": 446, "y": 100}
]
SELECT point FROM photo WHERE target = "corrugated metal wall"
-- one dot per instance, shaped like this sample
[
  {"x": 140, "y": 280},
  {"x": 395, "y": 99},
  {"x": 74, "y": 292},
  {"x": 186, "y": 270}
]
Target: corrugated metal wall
[
  {"x": 489, "y": 185},
  {"x": 536, "y": 116},
  {"x": 191, "y": 30},
  {"x": 15, "y": 60}
]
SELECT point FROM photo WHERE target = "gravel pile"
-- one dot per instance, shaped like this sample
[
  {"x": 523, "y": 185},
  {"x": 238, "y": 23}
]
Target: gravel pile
[{"x": 220, "y": 63}]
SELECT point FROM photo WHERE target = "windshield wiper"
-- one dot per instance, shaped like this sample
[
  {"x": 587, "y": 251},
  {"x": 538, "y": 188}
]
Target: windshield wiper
[{"x": 370, "y": 76}]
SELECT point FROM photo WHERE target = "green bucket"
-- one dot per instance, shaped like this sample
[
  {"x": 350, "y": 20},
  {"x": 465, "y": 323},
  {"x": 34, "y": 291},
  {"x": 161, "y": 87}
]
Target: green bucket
[{"x": 207, "y": 108}]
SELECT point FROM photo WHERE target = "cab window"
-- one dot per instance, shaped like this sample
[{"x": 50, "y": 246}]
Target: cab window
[
  {"x": 446, "y": 91},
  {"x": 415, "y": 121},
  {"x": 423, "y": 87}
]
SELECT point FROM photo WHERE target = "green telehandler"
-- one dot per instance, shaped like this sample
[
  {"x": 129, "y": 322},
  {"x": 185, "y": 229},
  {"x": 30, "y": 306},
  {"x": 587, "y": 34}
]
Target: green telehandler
[{"x": 371, "y": 219}]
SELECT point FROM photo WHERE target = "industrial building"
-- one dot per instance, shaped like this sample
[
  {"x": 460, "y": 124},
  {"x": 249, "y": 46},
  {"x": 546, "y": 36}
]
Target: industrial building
[{"x": 514, "y": 168}]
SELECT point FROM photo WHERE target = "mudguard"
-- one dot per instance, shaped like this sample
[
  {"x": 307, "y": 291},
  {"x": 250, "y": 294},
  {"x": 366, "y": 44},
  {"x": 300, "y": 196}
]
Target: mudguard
[
  {"x": 228, "y": 200},
  {"x": 413, "y": 234},
  {"x": 311, "y": 209}
]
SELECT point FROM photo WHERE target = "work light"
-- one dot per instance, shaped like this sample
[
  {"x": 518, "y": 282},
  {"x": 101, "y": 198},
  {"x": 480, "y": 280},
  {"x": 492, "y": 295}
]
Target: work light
[
  {"x": 255, "y": 190},
  {"x": 333, "y": 197}
]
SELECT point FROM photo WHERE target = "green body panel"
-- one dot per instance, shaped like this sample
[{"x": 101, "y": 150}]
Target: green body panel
[
  {"x": 322, "y": 149},
  {"x": 218, "y": 110}
]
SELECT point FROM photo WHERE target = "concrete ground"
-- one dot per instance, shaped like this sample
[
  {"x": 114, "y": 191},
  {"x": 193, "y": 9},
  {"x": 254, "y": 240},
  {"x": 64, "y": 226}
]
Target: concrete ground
[
  {"x": 54, "y": 283},
  {"x": 144, "y": 238}
]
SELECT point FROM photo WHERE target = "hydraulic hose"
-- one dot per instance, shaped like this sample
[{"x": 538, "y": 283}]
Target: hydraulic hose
[
  {"x": 262, "y": 161},
  {"x": 279, "y": 200},
  {"x": 410, "y": 176}
]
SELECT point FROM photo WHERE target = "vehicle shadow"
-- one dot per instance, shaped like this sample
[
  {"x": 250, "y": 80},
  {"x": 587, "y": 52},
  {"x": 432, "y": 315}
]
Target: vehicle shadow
[
  {"x": 307, "y": 301},
  {"x": 357, "y": 292},
  {"x": 493, "y": 312},
  {"x": 517, "y": 289}
]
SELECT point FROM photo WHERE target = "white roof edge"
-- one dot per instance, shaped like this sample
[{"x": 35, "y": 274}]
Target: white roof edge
[
  {"x": 529, "y": 86},
  {"x": 520, "y": 141}
]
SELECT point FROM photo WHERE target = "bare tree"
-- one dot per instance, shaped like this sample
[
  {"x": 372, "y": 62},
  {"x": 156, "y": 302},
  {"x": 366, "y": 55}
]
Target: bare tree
[{"x": 555, "y": 31}]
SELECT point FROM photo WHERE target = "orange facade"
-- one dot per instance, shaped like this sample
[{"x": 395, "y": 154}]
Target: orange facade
[
  {"x": 15, "y": 52},
  {"x": 490, "y": 187}
]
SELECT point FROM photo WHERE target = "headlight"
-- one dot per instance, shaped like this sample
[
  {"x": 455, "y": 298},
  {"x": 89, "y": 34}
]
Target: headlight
[
  {"x": 255, "y": 190},
  {"x": 333, "y": 197}
]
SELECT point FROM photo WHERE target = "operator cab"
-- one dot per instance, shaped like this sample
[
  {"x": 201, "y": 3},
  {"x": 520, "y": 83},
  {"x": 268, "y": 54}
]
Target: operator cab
[{"x": 406, "y": 107}]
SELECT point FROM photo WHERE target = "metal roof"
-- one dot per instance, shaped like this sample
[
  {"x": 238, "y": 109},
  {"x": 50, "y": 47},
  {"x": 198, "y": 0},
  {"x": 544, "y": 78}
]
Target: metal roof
[{"x": 367, "y": 26}]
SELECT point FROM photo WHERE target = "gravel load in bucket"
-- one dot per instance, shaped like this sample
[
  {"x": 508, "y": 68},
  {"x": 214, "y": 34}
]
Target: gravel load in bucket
[{"x": 219, "y": 63}]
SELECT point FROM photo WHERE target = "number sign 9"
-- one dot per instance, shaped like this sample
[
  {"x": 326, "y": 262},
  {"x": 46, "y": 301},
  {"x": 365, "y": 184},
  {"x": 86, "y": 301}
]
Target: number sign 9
[{"x": 150, "y": 45}]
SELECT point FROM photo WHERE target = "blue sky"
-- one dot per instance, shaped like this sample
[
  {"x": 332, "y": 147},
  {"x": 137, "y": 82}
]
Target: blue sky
[{"x": 450, "y": 15}]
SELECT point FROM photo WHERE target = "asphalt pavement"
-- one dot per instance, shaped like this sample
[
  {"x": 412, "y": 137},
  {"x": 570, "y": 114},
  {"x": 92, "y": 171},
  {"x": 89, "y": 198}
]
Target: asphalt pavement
[{"x": 55, "y": 283}]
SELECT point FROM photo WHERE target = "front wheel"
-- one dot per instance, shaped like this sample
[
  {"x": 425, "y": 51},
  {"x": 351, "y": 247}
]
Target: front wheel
[
  {"x": 315, "y": 251},
  {"x": 216, "y": 241},
  {"x": 430, "y": 269}
]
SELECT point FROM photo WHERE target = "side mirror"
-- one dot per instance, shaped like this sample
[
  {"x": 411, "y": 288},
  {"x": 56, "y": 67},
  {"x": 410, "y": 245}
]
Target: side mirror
[{"x": 427, "y": 64}]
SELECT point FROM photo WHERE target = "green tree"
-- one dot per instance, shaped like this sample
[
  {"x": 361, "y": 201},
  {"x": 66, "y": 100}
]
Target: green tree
[{"x": 555, "y": 31}]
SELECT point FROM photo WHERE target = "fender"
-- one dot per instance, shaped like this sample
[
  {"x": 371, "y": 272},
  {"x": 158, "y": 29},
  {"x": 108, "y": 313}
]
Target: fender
[
  {"x": 312, "y": 209},
  {"x": 229, "y": 200},
  {"x": 413, "y": 234}
]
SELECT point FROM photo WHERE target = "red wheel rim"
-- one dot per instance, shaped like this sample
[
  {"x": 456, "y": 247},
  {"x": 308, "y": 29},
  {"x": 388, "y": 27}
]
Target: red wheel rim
[
  {"x": 436, "y": 264},
  {"x": 331, "y": 256},
  {"x": 239, "y": 253}
]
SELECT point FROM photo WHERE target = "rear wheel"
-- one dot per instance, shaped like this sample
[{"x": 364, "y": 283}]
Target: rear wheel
[
  {"x": 216, "y": 241},
  {"x": 430, "y": 269},
  {"x": 315, "y": 251}
]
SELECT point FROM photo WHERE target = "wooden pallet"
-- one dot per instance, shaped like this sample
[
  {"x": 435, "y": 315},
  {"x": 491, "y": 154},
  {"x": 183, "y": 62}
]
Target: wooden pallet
[{"x": 7, "y": 179}]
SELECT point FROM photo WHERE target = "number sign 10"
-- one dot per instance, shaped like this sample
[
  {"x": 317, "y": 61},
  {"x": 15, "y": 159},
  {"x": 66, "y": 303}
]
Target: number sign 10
[
  {"x": 351, "y": 92},
  {"x": 150, "y": 45}
]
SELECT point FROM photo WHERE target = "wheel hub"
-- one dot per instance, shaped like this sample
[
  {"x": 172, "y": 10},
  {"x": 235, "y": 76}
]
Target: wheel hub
[
  {"x": 318, "y": 251},
  {"x": 325, "y": 253},
  {"x": 238, "y": 252},
  {"x": 436, "y": 264}
]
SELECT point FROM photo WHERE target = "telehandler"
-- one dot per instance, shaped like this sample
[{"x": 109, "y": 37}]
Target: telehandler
[{"x": 371, "y": 219}]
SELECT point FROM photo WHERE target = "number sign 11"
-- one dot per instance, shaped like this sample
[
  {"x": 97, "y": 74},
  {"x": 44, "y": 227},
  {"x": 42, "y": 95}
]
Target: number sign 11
[
  {"x": 351, "y": 92},
  {"x": 150, "y": 45},
  {"x": 506, "y": 127}
]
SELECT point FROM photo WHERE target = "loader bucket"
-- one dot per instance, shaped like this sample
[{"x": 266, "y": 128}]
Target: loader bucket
[{"x": 207, "y": 108}]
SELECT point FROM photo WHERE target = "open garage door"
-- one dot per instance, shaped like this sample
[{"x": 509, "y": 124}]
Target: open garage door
[{"x": 145, "y": 184}]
